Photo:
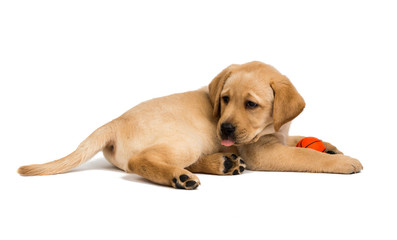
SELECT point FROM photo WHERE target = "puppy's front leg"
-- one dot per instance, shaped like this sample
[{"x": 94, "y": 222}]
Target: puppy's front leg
[
  {"x": 219, "y": 164},
  {"x": 273, "y": 156}
]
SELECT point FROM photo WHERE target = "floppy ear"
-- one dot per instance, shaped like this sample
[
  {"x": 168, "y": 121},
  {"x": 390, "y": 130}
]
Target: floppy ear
[
  {"x": 215, "y": 89},
  {"x": 288, "y": 103}
]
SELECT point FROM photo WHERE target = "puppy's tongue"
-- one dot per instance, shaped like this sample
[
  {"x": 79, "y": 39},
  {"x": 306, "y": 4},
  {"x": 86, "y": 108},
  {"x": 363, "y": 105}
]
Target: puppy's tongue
[{"x": 227, "y": 142}]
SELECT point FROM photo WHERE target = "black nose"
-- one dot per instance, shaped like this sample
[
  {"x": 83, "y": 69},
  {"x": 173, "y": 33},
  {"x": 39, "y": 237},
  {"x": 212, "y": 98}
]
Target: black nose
[{"x": 227, "y": 129}]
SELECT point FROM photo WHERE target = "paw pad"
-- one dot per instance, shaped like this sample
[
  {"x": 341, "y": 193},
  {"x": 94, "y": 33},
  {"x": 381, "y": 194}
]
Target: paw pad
[
  {"x": 233, "y": 165},
  {"x": 185, "y": 182}
]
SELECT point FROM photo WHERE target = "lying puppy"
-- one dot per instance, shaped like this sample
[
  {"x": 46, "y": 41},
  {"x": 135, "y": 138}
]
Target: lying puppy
[
  {"x": 246, "y": 108},
  {"x": 255, "y": 104}
]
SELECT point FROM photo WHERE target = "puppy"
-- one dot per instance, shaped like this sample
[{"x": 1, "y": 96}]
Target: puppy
[
  {"x": 246, "y": 110},
  {"x": 158, "y": 140},
  {"x": 255, "y": 105}
]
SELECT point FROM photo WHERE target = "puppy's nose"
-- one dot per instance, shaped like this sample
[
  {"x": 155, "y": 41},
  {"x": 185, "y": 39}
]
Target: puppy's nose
[{"x": 227, "y": 129}]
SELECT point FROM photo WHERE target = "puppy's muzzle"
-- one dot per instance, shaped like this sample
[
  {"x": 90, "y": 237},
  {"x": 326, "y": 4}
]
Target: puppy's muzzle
[{"x": 227, "y": 130}]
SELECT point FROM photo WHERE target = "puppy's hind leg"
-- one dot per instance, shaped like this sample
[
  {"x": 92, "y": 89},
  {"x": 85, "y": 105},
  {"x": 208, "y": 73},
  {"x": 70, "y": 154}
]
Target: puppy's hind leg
[{"x": 156, "y": 165}]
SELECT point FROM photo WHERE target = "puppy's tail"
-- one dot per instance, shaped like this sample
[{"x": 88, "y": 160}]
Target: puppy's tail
[{"x": 99, "y": 139}]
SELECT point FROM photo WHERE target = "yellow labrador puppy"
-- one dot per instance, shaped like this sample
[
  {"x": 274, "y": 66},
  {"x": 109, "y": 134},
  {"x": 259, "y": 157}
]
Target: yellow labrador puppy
[
  {"x": 247, "y": 107},
  {"x": 255, "y": 104}
]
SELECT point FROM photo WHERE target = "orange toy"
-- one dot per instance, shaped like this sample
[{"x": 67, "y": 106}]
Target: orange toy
[{"x": 312, "y": 143}]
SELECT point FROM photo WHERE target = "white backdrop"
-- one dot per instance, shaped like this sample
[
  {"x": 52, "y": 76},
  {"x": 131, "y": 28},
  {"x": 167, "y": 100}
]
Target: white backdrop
[{"x": 67, "y": 67}]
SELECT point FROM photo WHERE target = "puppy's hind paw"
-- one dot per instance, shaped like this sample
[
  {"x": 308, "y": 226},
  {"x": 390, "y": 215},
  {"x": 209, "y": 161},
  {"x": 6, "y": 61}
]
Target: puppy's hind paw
[{"x": 185, "y": 182}]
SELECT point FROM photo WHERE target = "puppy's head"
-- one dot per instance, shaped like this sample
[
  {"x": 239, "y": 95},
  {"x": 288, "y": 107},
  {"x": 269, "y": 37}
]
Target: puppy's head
[{"x": 252, "y": 100}]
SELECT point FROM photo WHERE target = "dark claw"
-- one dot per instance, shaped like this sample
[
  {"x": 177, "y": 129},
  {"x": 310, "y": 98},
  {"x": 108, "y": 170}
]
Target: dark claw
[
  {"x": 242, "y": 169},
  {"x": 234, "y": 156},
  {"x": 235, "y": 172},
  {"x": 331, "y": 152},
  {"x": 242, "y": 161}
]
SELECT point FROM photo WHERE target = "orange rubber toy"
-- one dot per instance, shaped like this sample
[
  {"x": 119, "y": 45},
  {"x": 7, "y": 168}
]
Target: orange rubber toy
[{"x": 312, "y": 143}]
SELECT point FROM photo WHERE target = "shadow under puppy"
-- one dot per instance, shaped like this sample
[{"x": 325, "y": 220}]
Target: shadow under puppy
[{"x": 247, "y": 107}]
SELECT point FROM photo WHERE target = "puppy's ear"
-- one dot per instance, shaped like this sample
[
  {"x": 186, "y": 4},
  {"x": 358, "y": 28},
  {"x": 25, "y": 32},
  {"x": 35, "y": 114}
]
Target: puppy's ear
[
  {"x": 215, "y": 89},
  {"x": 288, "y": 103}
]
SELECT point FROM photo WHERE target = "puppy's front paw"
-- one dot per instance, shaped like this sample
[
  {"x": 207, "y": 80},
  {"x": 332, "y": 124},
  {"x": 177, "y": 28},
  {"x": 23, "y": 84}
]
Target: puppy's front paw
[
  {"x": 233, "y": 164},
  {"x": 347, "y": 165},
  {"x": 185, "y": 182}
]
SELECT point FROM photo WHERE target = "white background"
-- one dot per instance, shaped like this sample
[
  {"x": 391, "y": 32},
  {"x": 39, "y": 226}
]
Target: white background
[{"x": 67, "y": 67}]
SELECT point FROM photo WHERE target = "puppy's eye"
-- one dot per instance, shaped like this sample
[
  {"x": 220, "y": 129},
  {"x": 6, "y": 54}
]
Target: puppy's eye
[
  {"x": 250, "y": 105},
  {"x": 225, "y": 99}
]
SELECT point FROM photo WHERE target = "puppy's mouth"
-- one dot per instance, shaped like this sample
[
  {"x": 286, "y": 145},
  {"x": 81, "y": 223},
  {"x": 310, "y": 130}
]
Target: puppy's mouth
[
  {"x": 228, "y": 142},
  {"x": 227, "y": 138}
]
